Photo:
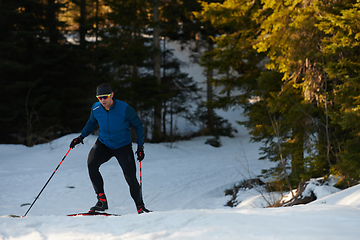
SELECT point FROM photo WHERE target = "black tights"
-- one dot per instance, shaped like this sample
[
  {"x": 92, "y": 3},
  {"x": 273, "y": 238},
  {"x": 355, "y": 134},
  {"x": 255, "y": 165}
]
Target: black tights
[{"x": 100, "y": 154}]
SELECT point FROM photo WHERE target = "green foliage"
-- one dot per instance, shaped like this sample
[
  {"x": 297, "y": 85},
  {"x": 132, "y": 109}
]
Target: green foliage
[
  {"x": 178, "y": 21},
  {"x": 215, "y": 141},
  {"x": 222, "y": 127},
  {"x": 234, "y": 58},
  {"x": 55, "y": 80},
  {"x": 341, "y": 47},
  {"x": 292, "y": 65},
  {"x": 306, "y": 109}
]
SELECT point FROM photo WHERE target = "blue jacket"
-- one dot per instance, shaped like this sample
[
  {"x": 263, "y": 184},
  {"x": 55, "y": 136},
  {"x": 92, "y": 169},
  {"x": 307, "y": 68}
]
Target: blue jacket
[{"x": 114, "y": 125}]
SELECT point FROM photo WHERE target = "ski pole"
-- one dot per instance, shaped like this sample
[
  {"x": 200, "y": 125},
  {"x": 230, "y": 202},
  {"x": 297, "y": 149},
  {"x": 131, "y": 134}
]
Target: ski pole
[
  {"x": 140, "y": 177},
  {"x": 47, "y": 182}
]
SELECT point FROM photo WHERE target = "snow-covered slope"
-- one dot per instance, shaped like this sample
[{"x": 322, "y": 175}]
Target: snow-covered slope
[{"x": 183, "y": 185}]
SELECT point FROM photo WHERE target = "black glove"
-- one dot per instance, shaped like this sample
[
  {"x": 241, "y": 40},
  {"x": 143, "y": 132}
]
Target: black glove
[
  {"x": 140, "y": 153},
  {"x": 76, "y": 141}
]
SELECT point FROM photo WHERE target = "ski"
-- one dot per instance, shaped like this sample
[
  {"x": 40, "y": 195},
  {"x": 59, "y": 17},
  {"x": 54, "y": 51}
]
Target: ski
[
  {"x": 78, "y": 214},
  {"x": 93, "y": 214}
]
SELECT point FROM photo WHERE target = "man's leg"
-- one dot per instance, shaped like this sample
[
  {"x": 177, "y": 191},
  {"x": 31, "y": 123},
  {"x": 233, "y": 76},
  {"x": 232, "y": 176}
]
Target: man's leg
[
  {"x": 98, "y": 155},
  {"x": 125, "y": 157}
]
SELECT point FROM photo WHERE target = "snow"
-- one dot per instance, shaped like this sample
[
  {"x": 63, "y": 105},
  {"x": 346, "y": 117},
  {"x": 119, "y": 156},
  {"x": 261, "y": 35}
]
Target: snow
[
  {"x": 349, "y": 197},
  {"x": 318, "y": 187},
  {"x": 183, "y": 183}
]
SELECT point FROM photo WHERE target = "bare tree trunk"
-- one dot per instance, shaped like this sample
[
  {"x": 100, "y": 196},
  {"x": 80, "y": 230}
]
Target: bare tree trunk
[
  {"x": 96, "y": 56},
  {"x": 328, "y": 145},
  {"x": 326, "y": 120},
  {"x": 276, "y": 128},
  {"x": 29, "y": 119},
  {"x": 171, "y": 121},
  {"x": 282, "y": 159},
  {"x": 96, "y": 21},
  {"x": 82, "y": 23},
  {"x": 51, "y": 21},
  {"x": 209, "y": 95},
  {"x": 157, "y": 66},
  {"x": 165, "y": 112},
  {"x": 164, "y": 120}
]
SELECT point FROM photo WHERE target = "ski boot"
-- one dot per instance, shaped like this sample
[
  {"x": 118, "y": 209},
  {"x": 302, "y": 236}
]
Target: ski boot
[
  {"x": 141, "y": 209},
  {"x": 101, "y": 205}
]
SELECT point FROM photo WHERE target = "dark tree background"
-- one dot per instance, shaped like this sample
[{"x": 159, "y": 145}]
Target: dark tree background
[{"x": 293, "y": 66}]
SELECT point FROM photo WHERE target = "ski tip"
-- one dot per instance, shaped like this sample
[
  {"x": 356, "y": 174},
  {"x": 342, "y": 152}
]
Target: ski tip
[{"x": 15, "y": 216}]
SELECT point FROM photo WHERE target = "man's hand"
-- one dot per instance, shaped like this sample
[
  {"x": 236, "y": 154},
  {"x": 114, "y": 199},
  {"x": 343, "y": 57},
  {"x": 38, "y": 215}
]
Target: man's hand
[
  {"x": 76, "y": 141},
  {"x": 140, "y": 153}
]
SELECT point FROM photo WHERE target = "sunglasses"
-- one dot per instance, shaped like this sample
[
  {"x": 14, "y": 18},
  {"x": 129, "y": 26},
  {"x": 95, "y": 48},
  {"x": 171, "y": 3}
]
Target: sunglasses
[{"x": 106, "y": 96}]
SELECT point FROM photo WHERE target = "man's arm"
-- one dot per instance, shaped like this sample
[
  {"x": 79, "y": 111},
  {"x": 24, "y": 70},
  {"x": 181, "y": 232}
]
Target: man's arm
[{"x": 90, "y": 125}]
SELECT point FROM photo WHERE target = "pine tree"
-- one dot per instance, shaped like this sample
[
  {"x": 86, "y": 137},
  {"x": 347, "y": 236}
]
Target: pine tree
[
  {"x": 340, "y": 47},
  {"x": 294, "y": 35},
  {"x": 43, "y": 71},
  {"x": 233, "y": 63}
]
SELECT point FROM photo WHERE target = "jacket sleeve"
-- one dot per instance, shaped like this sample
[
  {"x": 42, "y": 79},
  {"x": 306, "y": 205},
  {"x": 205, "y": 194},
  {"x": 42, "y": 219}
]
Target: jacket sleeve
[
  {"x": 90, "y": 125},
  {"x": 135, "y": 121}
]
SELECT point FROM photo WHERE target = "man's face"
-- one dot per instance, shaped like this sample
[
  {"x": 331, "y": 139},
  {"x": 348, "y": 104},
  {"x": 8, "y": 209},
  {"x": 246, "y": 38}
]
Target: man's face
[{"x": 106, "y": 100}]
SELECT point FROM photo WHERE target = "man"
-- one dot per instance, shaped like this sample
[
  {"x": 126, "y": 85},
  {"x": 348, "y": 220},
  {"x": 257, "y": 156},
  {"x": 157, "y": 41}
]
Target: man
[{"x": 113, "y": 118}]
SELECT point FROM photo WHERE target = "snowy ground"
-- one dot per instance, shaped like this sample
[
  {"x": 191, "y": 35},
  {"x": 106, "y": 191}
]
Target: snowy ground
[{"x": 183, "y": 185}]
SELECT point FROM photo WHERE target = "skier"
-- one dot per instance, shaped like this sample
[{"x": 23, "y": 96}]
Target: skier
[{"x": 113, "y": 118}]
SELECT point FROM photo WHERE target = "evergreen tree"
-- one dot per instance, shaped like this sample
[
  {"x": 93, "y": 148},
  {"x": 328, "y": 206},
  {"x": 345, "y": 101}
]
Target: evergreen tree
[
  {"x": 178, "y": 20},
  {"x": 132, "y": 62},
  {"x": 294, "y": 35},
  {"x": 305, "y": 53},
  {"x": 340, "y": 46},
  {"x": 282, "y": 120},
  {"x": 38, "y": 65},
  {"x": 233, "y": 63},
  {"x": 129, "y": 51},
  {"x": 179, "y": 93},
  {"x": 290, "y": 39}
]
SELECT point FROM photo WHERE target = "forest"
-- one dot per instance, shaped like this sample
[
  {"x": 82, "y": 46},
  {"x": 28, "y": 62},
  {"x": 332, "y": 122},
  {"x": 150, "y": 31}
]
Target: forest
[{"x": 293, "y": 66}]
